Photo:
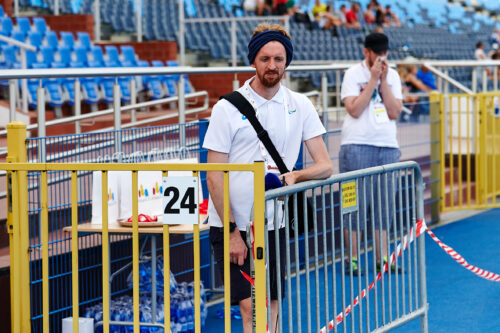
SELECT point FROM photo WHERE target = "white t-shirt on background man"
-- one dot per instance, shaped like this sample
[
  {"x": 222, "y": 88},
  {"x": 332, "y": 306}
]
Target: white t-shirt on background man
[{"x": 372, "y": 127}]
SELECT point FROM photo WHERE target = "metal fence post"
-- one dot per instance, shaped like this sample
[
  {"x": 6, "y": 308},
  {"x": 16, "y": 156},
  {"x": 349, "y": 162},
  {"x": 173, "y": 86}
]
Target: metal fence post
[
  {"x": 424, "y": 322},
  {"x": 77, "y": 106},
  {"x": 17, "y": 226},
  {"x": 436, "y": 162},
  {"x": 42, "y": 130},
  {"x": 97, "y": 21},
  {"x": 133, "y": 99},
  {"x": 117, "y": 117},
  {"x": 12, "y": 100}
]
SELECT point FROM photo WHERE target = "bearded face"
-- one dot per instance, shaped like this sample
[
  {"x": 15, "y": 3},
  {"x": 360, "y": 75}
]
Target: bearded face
[{"x": 270, "y": 64}]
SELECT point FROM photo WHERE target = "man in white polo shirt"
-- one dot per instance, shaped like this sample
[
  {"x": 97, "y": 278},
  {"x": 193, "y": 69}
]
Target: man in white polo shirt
[
  {"x": 371, "y": 92},
  {"x": 290, "y": 119}
]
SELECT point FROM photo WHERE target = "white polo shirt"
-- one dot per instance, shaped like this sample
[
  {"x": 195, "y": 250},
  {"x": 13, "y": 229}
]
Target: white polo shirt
[
  {"x": 365, "y": 129},
  {"x": 230, "y": 132}
]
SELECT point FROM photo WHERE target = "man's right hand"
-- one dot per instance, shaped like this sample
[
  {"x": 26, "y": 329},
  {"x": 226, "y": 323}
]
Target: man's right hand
[
  {"x": 237, "y": 248},
  {"x": 377, "y": 68}
]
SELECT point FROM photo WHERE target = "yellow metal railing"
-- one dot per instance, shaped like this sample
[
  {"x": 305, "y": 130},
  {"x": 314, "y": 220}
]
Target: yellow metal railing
[
  {"x": 17, "y": 169},
  {"x": 468, "y": 135}
]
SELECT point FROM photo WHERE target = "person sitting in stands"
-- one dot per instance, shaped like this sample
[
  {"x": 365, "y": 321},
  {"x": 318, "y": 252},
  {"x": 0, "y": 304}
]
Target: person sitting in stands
[
  {"x": 425, "y": 75},
  {"x": 391, "y": 18},
  {"x": 370, "y": 12},
  {"x": 324, "y": 16},
  {"x": 411, "y": 84},
  {"x": 279, "y": 7},
  {"x": 351, "y": 16}
]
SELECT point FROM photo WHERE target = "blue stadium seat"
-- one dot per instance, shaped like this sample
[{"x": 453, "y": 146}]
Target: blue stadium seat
[
  {"x": 2, "y": 13},
  {"x": 154, "y": 84},
  {"x": 68, "y": 39},
  {"x": 97, "y": 57},
  {"x": 23, "y": 24},
  {"x": 64, "y": 54},
  {"x": 19, "y": 36},
  {"x": 81, "y": 57},
  {"x": 31, "y": 58},
  {"x": 7, "y": 26},
  {"x": 48, "y": 55},
  {"x": 84, "y": 40},
  {"x": 168, "y": 81},
  {"x": 112, "y": 55},
  {"x": 35, "y": 39},
  {"x": 40, "y": 25},
  {"x": 187, "y": 85},
  {"x": 51, "y": 40},
  {"x": 10, "y": 58},
  {"x": 128, "y": 54}
]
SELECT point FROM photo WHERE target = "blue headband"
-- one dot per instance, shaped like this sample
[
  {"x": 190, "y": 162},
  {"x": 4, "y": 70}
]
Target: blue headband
[{"x": 264, "y": 37}]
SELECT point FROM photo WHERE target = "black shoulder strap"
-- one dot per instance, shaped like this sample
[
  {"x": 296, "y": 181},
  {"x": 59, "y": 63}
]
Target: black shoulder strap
[{"x": 244, "y": 106}]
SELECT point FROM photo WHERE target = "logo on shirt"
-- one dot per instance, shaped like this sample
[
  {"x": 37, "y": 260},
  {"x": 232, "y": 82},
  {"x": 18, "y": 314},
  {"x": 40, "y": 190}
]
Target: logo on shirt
[
  {"x": 243, "y": 118},
  {"x": 292, "y": 111}
]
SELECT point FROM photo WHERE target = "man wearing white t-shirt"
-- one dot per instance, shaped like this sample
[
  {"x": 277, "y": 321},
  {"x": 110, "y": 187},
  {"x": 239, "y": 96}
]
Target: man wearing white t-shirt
[
  {"x": 371, "y": 92},
  {"x": 290, "y": 119}
]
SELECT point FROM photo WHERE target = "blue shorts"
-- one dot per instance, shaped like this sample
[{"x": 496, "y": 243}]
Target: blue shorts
[{"x": 355, "y": 157}]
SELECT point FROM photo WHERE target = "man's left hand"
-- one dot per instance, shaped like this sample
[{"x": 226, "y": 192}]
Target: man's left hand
[{"x": 288, "y": 178}]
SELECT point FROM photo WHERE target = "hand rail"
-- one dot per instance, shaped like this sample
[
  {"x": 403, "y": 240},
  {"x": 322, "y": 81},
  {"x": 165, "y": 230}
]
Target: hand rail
[
  {"x": 126, "y": 108},
  {"x": 448, "y": 78},
  {"x": 18, "y": 43}
]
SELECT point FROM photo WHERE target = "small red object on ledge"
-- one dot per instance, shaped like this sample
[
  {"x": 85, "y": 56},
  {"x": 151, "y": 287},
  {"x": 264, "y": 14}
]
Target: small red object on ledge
[{"x": 145, "y": 218}]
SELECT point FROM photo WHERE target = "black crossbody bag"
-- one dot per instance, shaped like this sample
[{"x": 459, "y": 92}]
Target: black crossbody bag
[{"x": 242, "y": 104}]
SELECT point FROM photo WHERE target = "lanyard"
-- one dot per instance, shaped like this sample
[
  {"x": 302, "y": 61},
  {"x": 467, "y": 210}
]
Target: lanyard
[{"x": 270, "y": 165}]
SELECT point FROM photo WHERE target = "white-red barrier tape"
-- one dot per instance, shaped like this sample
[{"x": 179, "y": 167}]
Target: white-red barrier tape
[
  {"x": 458, "y": 258},
  {"x": 421, "y": 227}
]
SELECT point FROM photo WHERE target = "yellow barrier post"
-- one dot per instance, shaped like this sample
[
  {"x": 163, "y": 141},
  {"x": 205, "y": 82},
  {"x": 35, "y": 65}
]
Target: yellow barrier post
[
  {"x": 196, "y": 269},
  {"x": 45, "y": 252},
  {"x": 259, "y": 246},
  {"x": 227, "y": 277},
  {"x": 105, "y": 253},
  {"x": 135, "y": 249},
  {"x": 166, "y": 272},
  {"x": 481, "y": 153},
  {"x": 74, "y": 249},
  {"x": 436, "y": 123},
  {"x": 17, "y": 225}
]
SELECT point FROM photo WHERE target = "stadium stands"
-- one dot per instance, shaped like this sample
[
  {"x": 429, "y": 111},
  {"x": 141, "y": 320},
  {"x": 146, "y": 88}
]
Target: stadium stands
[
  {"x": 66, "y": 52},
  {"x": 429, "y": 30}
]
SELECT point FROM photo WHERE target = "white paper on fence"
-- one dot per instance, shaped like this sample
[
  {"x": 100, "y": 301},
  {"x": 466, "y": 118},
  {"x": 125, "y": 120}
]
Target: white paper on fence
[
  {"x": 150, "y": 190},
  {"x": 113, "y": 197}
]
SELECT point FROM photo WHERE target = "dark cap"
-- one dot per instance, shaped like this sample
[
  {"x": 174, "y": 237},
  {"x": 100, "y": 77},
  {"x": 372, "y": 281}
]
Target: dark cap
[{"x": 377, "y": 42}]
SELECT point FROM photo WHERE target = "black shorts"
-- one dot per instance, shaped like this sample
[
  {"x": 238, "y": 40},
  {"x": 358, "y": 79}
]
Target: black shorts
[{"x": 240, "y": 287}]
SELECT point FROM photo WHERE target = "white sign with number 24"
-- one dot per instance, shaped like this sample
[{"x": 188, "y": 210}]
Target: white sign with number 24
[{"x": 180, "y": 200}]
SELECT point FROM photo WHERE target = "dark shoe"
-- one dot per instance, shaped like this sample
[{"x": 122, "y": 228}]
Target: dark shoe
[
  {"x": 356, "y": 270},
  {"x": 392, "y": 268}
]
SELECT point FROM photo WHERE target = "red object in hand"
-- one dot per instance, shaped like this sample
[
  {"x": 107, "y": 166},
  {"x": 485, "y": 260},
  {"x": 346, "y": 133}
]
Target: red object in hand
[{"x": 145, "y": 218}]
